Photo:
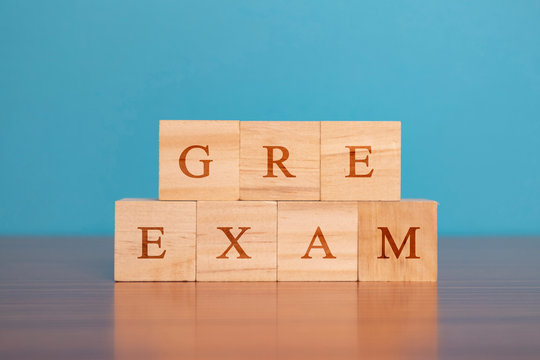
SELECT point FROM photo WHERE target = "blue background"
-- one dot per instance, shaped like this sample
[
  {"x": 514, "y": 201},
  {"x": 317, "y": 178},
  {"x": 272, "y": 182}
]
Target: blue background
[{"x": 84, "y": 83}]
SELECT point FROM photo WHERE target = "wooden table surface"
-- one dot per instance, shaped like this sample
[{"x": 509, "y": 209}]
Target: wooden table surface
[{"x": 58, "y": 301}]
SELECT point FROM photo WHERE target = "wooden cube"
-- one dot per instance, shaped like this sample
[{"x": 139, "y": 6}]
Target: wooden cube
[
  {"x": 154, "y": 240},
  {"x": 199, "y": 160},
  {"x": 279, "y": 160},
  {"x": 317, "y": 241},
  {"x": 397, "y": 241},
  {"x": 236, "y": 240},
  {"x": 360, "y": 160}
]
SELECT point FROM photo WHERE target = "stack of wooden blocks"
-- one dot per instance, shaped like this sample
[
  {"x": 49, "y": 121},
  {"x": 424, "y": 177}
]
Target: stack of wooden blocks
[{"x": 277, "y": 201}]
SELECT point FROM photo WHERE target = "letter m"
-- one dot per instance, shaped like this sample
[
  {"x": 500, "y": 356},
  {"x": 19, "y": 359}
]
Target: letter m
[{"x": 411, "y": 235}]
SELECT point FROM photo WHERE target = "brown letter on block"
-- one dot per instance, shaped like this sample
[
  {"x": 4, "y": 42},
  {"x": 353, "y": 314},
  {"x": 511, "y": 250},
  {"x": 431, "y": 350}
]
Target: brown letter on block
[
  {"x": 145, "y": 243},
  {"x": 411, "y": 234},
  {"x": 206, "y": 163},
  {"x": 234, "y": 242},
  {"x": 319, "y": 234},
  {"x": 353, "y": 160}
]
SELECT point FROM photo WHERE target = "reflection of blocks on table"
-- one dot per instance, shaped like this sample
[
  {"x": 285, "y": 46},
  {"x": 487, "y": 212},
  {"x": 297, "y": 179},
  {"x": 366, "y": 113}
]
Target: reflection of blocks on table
[
  {"x": 360, "y": 160},
  {"x": 154, "y": 240},
  {"x": 236, "y": 240},
  {"x": 155, "y": 320},
  {"x": 198, "y": 160},
  {"x": 317, "y": 241},
  {"x": 397, "y": 240},
  {"x": 279, "y": 160},
  {"x": 225, "y": 320},
  {"x": 398, "y": 320},
  {"x": 304, "y": 306}
]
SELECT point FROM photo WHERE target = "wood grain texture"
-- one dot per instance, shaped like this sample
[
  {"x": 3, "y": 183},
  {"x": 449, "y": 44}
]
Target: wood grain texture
[
  {"x": 398, "y": 217},
  {"x": 177, "y": 221},
  {"x": 58, "y": 300},
  {"x": 258, "y": 243},
  {"x": 300, "y": 139},
  {"x": 298, "y": 223},
  {"x": 222, "y": 141},
  {"x": 384, "y": 140}
]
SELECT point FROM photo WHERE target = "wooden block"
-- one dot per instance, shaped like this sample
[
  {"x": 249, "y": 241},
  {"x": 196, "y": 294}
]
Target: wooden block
[
  {"x": 317, "y": 241},
  {"x": 154, "y": 240},
  {"x": 279, "y": 160},
  {"x": 236, "y": 240},
  {"x": 199, "y": 160},
  {"x": 360, "y": 160},
  {"x": 397, "y": 241}
]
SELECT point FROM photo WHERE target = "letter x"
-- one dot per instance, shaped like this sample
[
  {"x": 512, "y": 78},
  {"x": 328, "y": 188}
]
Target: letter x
[{"x": 234, "y": 242}]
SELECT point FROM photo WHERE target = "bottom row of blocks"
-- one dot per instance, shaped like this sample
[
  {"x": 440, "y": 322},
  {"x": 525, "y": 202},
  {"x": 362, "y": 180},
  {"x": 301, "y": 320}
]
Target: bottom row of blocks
[{"x": 269, "y": 240}]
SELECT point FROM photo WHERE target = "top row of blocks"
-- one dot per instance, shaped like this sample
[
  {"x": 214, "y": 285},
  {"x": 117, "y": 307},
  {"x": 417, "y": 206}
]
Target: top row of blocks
[{"x": 279, "y": 160}]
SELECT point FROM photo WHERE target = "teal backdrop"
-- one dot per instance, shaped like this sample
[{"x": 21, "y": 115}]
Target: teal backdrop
[{"x": 84, "y": 83}]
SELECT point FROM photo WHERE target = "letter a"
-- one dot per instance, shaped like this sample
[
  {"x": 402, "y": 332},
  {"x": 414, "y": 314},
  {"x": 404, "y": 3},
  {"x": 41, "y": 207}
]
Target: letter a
[
  {"x": 324, "y": 245},
  {"x": 234, "y": 242}
]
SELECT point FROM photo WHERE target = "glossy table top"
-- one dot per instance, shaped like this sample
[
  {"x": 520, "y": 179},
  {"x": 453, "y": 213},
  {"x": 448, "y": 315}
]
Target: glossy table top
[{"x": 58, "y": 301}]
